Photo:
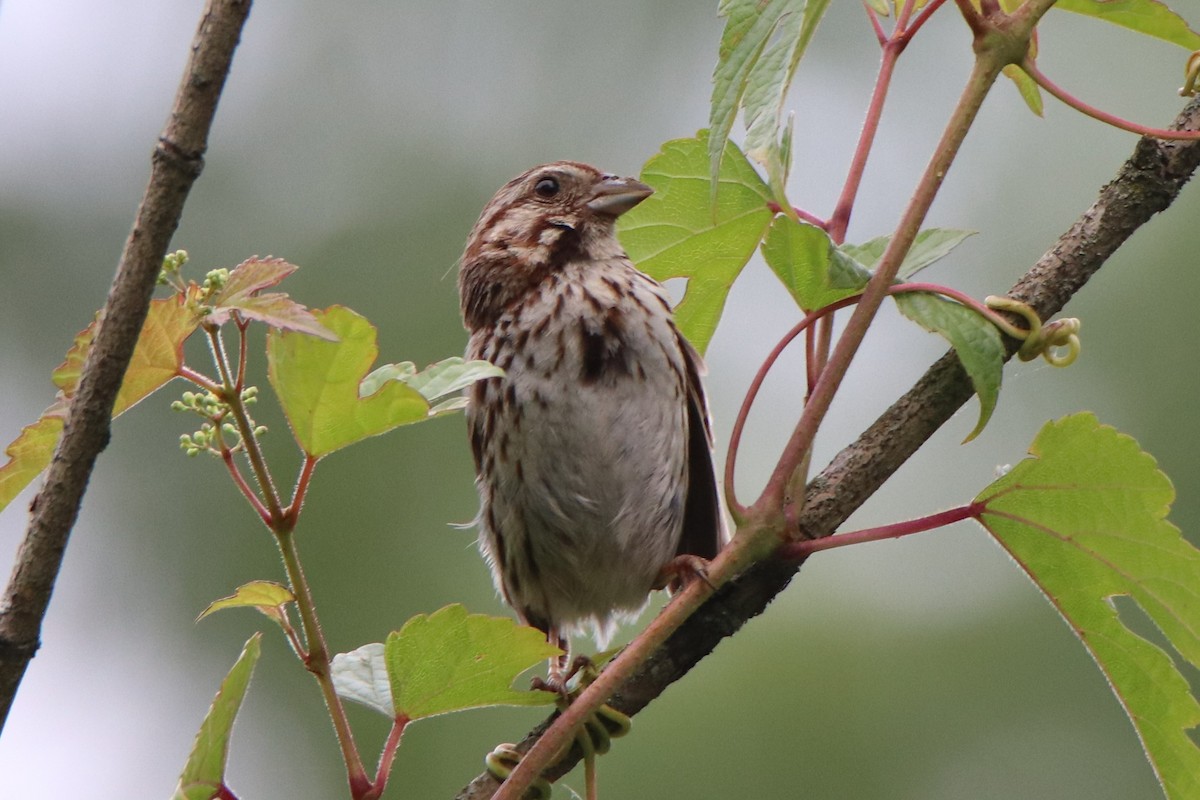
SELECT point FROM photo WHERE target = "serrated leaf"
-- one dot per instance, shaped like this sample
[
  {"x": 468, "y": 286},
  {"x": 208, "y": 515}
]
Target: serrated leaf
[
  {"x": 677, "y": 233},
  {"x": 448, "y": 376},
  {"x": 451, "y": 660},
  {"x": 748, "y": 27},
  {"x": 156, "y": 360},
  {"x": 1085, "y": 517},
  {"x": 251, "y": 276},
  {"x": 767, "y": 83},
  {"x": 361, "y": 676},
  {"x": 1148, "y": 17},
  {"x": 241, "y": 293},
  {"x": 29, "y": 454},
  {"x": 975, "y": 340},
  {"x": 317, "y": 384},
  {"x": 929, "y": 246},
  {"x": 267, "y": 597},
  {"x": 280, "y": 311},
  {"x": 810, "y": 265},
  {"x": 204, "y": 774}
]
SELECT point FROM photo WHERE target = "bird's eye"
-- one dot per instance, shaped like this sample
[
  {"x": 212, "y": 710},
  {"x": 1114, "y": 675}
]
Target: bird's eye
[{"x": 546, "y": 187}]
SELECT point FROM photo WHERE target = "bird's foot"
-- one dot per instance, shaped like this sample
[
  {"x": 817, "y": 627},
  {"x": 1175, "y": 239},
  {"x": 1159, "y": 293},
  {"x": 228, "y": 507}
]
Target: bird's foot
[{"x": 681, "y": 571}]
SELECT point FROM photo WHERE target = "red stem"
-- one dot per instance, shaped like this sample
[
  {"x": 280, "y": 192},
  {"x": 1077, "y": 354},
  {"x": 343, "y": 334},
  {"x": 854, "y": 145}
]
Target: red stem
[
  {"x": 292, "y": 512},
  {"x": 799, "y": 550},
  {"x": 811, "y": 219},
  {"x": 892, "y": 48},
  {"x": 201, "y": 380},
  {"x": 1095, "y": 113},
  {"x": 386, "y": 758},
  {"x": 922, "y": 18},
  {"x": 243, "y": 486},
  {"x": 880, "y": 34},
  {"x": 240, "y": 382},
  {"x": 739, "y": 423}
]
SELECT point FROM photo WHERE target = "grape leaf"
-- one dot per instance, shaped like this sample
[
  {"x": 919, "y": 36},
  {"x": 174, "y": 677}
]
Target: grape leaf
[
  {"x": 813, "y": 269},
  {"x": 1148, "y": 17},
  {"x": 766, "y": 89},
  {"x": 361, "y": 676},
  {"x": 30, "y": 453},
  {"x": 447, "y": 377},
  {"x": 317, "y": 383},
  {"x": 930, "y": 245},
  {"x": 204, "y": 774},
  {"x": 754, "y": 73},
  {"x": 975, "y": 340},
  {"x": 266, "y": 596},
  {"x": 451, "y": 661},
  {"x": 156, "y": 359},
  {"x": 677, "y": 233},
  {"x": 241, "y": 294},
  {"x": 1085, "y": 517}
]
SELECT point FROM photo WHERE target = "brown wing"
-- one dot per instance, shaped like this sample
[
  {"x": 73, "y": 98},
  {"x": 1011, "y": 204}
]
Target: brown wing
[{"x": 703, "y": 520}]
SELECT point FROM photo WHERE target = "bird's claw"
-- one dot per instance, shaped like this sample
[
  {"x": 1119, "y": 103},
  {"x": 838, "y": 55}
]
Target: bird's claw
[{"x": 681, "y": 571}]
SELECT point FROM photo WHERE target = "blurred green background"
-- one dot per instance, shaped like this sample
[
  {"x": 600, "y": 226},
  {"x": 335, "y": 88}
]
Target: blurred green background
[{"x": 360, "y": 143}]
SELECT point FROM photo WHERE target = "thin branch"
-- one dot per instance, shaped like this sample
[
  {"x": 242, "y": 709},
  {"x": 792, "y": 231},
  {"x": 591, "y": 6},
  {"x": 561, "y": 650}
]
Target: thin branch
[
  {"x": 896, "y": 530},
  {"x": 922, "y": 18},
  {"x": 317, "y": 661},
  {"x": 840, "y": 220},
  {"x": 241, "y": 419},
  {"x": 1031, "y": 69},
  {"x": 176, "y": 163},
  {"x": 1147, "y": 184},
  {"x": 243, "y": 487},
  {"x": 387, "y": 758},
  {"x": 739, "y": 422}
]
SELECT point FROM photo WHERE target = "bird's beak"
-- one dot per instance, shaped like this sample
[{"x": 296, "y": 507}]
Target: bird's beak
[{"x": 615, "y": 196}]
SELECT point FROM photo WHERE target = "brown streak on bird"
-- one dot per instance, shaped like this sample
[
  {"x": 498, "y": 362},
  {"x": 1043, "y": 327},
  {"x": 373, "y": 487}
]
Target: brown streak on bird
[{"x": 594, "y": 461}]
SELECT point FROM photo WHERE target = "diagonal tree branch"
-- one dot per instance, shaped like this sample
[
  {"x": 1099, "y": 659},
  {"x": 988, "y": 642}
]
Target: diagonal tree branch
[
  {"x": 176, "y": 163},
  {"x": 1146, "y": 184}
]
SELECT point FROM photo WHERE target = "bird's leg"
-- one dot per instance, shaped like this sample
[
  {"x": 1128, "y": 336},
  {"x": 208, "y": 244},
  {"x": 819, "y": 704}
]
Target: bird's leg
[
  {"x": 557, "y": 673},
  {"x": 681, "y": 571}
]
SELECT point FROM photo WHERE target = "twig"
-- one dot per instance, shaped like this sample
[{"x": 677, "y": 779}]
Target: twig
[{"x": 176, "y": 163}]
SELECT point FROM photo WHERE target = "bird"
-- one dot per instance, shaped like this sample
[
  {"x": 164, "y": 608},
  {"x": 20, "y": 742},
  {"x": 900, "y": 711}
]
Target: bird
[{"x": 593, "y": 452}]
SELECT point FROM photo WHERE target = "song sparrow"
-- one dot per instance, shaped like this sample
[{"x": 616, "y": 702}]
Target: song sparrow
[{"x": 593, "y": 453}]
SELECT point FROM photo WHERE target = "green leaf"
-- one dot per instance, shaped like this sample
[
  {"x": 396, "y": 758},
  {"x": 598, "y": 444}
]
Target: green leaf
[
  {"x": 677, "y": 233},
  {"x": 1030, "y": 92},
  {"x": 814, "y": 271},
  {"x": 156, "y": 360},
  {"x": 30, "y": 453},
  {"x": 766, "y": 89},
  {"x": 204, "y": 774},
  {"x": 748, "y": 27},
  {"x": 1086, "y": 518},
  {"x": 317, "y": 384},
  {"x": 1149, "y": 17},
  {"x": 447, "y": 377},
  {"x": 451, "y": 661},
  {"x": 266, "y": 596},
  {"x": 361, "y": 676},
  {"x": 241, "y": 294},
  {"x": 930, "y": 245},
  {"x": 975, "y": 340}
]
